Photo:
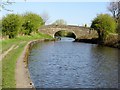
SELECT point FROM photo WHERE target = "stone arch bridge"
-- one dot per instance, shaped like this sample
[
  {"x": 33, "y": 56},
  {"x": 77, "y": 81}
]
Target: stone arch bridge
[{"x": 80, "y": 32}]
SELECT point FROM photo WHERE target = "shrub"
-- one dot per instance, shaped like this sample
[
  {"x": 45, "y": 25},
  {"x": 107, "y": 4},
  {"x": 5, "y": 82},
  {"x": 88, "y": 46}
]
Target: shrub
[
  {"x": 32, "y": 22},
  {"x": 11, "y": 25},
  {"x": 104, "y": 24}
]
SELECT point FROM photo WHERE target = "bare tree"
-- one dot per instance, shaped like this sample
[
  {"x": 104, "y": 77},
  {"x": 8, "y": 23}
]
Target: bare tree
[
  {"x": 119, "y": 9},
  {"x": 5, "y": 3},
  {"x": 114, "y": 8},
  {"x": 45, "y": 16},
  {"x": 60, "y": 22}
]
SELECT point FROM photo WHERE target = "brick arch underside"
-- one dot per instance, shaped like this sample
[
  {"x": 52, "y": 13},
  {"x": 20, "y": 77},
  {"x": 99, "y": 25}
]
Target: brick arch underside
[{"x": 65, "y": 30}]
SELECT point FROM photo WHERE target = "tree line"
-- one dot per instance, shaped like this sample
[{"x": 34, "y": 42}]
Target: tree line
[{"x": 14, "y": 24}]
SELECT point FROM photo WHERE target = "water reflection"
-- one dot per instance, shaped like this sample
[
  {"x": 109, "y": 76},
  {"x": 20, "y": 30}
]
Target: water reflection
[
  {"x": 66, "y": 39},
  {"x": 67, "y": 64}
]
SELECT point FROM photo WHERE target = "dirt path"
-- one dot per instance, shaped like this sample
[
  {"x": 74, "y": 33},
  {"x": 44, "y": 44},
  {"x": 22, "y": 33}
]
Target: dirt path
[
  {"x": 6, "y": 52},
  {"x": 21, "y": 72}
]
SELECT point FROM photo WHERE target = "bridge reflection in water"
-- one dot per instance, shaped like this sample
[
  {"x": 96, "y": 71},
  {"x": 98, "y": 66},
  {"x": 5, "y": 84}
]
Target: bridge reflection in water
[
  {"x": 68, "y": 64},
  {"x": 66, "y": 39}
]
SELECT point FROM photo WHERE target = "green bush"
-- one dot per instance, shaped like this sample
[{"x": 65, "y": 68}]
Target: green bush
[
  {"x": 32, "y": 22},
  {"x": 104, "y": 24},
  {"x": 11, "y": 25},
  {"x": 0, "y": 28}
]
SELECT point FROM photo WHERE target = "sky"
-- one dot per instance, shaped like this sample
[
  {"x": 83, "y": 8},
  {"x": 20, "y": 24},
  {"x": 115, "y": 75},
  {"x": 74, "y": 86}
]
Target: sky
[{"x": 74, "y": 13}]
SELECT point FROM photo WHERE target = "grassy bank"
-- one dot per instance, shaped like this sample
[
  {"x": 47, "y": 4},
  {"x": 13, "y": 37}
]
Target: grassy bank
[
  {"x": 9, "y": 62},
  {"x": 6, "y": 44}
]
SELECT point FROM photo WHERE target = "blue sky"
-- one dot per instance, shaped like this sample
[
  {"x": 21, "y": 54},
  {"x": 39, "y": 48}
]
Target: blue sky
[{"x": 75, "y": 13}]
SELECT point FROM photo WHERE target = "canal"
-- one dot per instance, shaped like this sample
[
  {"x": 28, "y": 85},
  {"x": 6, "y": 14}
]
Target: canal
[{"x": 68, "y": 64}]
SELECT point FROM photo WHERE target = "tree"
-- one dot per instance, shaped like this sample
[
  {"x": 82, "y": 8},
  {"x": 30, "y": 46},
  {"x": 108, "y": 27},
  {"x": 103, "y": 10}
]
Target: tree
[
  {"x": 119, "y": 10},
  {"x": 5, "y": 3},
  {"x": 114, "y": 8},
  {"x": 11, "y": 25},
  {"x": 45, "y": 17},
  {"x": 60, "y": 22},
  {"x": 104, "y": 24},
  {"x": 85, "y": 25},
  {"x": 118, "y": 26},
  {"x": 0, "y": 28},
  {"x": 32, "y": 22}
]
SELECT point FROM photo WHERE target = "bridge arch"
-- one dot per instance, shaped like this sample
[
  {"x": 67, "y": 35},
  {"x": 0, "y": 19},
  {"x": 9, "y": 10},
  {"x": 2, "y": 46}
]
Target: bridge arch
[{"x": 65, "y": 33}]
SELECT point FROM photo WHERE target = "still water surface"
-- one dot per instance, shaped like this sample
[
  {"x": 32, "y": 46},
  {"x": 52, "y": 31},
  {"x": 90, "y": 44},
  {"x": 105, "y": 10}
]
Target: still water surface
[{"x": 68, "y": 64}]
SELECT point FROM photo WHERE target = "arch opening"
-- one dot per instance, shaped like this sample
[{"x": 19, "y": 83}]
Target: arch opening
[{"x": 64, "y": 33}]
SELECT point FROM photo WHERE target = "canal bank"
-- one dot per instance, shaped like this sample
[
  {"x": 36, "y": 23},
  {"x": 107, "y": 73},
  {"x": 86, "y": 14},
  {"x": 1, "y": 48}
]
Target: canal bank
[
  {"x": 111, "y": 41},
  {"x": 10, "y": 60},
  {"x": 22, "y": 75}
]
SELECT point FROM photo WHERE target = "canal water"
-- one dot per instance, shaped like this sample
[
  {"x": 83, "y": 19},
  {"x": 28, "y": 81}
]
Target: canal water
[{"x": 68, "y": 64}]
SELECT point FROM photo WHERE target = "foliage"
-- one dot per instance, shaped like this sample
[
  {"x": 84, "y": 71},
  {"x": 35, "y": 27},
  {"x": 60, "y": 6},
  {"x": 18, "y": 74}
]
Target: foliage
[
  {"x": 104, "y": 24},
  {"x": 0, "y": 28},
  {"x": 118, "y": 26},
  {"x": 85, "y": 25},
  {"x": 11, "y": 25},
  {"x": 60, "y": 22},
  {"x": 14, "y": 24},
  {"x": 31, "y": 23}
]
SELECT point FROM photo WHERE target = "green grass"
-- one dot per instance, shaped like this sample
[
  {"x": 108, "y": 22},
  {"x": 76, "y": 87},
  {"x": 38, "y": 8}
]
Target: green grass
[
  {"x": 6, "y": 44},
  {"x": 9, "y": 62},
  {"x": 0, "y": 75},
  {"x": 8, "y": 67}
]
